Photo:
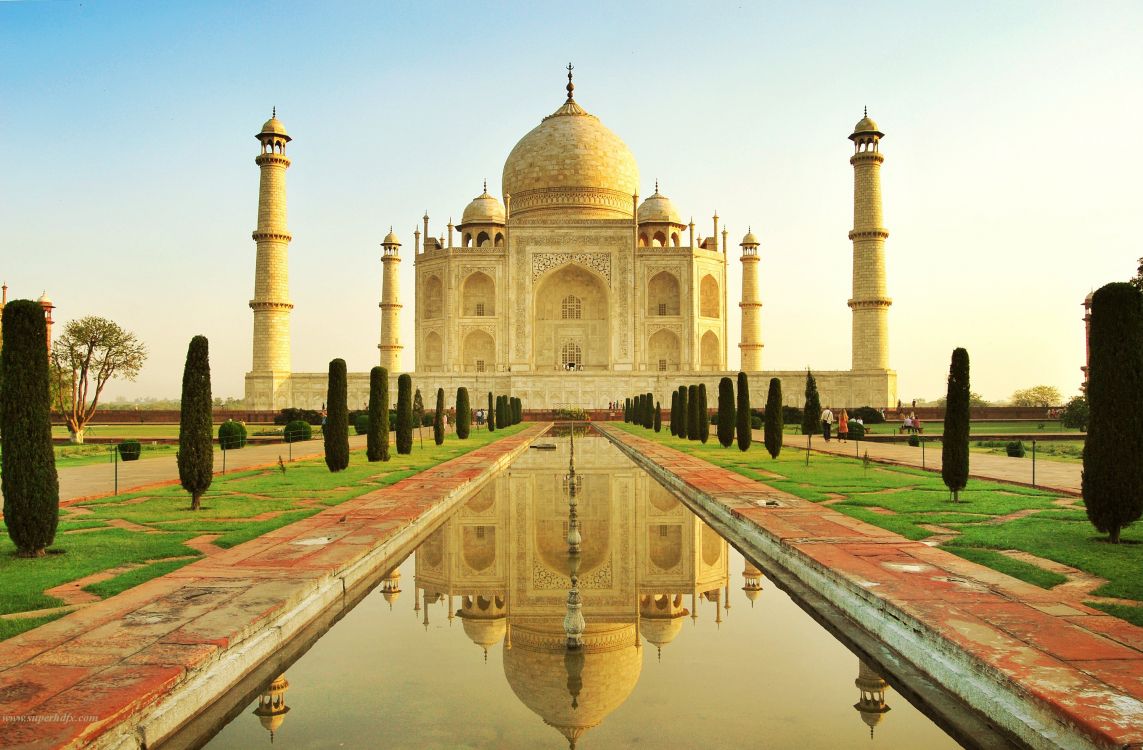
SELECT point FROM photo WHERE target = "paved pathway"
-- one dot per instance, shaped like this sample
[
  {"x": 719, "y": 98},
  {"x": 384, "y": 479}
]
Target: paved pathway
[
  {"x": 95, "y": 480},
  {"x": 1062, "y": 476},
  {"x": 125, "y": 672},
  {"x": 1034, "y": 660}
]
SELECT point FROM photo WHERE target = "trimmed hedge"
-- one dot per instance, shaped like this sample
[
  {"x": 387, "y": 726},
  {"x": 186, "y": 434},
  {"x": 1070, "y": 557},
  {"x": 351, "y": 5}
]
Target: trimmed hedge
[
  {"x": 129, "y": 450},
  {"x": 298, "y": 431},
  {"x": 231, "y": 435}
]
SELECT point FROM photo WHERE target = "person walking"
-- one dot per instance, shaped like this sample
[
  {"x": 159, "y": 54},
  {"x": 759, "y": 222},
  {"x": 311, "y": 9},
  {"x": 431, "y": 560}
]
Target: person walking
[
  {"x": 827, "y": 422},
  {"x": 843, "y": 426}
]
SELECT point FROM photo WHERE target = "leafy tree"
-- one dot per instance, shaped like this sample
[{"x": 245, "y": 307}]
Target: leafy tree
[
  {"x": 404, "y": 414},
  {"x": 742, "y": 416},
  {"x": 491, "y": 414},
  {"x": 1037, "y": 395},
  {"x": 28, "y": 478},
  {"x": 463, "y": 414},
  {"x": 90, "y": 352},
  {"x": 1137, "y": 280},
  {"x": 811, "y": 413},
  {"x": 377, "y": 440},
  {"x": 684, "y": 413},
  {"x": 438, "y": 418},
  {"x": 335, "y": 433},
  {"x": 658, "y": 417},
  {"x": 726, "y": 412},
  {"x": 419, "y": 415},
  {"x": 1076, "y": 414},
  {"x": 772, "y": 431},
  {"x": 954, "y": 444},
  {"x": 1112, "y": 479},
  {"x": 196, "y": 447},
  {"x": 975, "y": 400},
  {"x": 692, "y": 412}
]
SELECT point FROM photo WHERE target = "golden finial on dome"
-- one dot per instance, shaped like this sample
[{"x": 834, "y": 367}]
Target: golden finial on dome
[
  {"x": 656, "y": 186},
  {"x": 485, "y": 186},
  {"x": 273, "y": 111},
  {"x": 571, "y": 86}
]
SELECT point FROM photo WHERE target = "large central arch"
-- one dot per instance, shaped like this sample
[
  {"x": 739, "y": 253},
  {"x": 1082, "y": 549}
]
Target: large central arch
[{"x": 571, "y": 314}]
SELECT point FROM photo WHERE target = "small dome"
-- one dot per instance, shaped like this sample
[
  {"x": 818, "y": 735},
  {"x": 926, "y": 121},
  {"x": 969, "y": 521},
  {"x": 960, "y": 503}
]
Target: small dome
[
  {"x": 749, "y": 239},
  {"x": 484, "y": 209},
  {"x": 866, "y": 126},
  {"x": 45, "y": 299},
  {"x": 658, "y": 208},
  {"x": 661, "y": 631},
  {"x": 1087, "y": 299},
  {"x": 753, "y": 594},
  {"x": 274, "y": 126},
  {"x": 484, "y": 633},
  {"x": 391, "y": 238}
]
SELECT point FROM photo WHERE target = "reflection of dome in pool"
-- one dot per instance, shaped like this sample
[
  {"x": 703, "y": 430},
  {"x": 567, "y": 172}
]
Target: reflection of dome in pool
[
  {"x": 577, "y": 692},
  {"x": 484, "y": 633},
  {"x": 712, "y": 545}
]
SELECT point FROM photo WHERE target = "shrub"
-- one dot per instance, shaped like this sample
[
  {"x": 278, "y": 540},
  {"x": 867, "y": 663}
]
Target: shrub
[
  {"x": 463, "y": 413},
  {"x": 231, "y": 435},
  {"x": 129, "y": 450},
  {"x": 361, "y": 424},
  {"x": 791, "y": 415},
  {"x": 954, "y": 443},
  {"x": 914, "y": 441},
  {"x": 196, "y": 444},
  {"x": 335, "y": 432},
  {"x": 1015, "y": 449},
  {"x": 866, "y": 414},
  {"x": 30, "y": 484},
  {"x": 743, "y": 424},
  {"x": 755, "y": 422},
  {"x": 773, "y": 430},
  {"x": 726, "y": 412},
  {"x": 856, "y": 430},
  {"x": 298, "y": 431},
  {"x": 285, "y": 416},
  {"x": 377, "y": 442},
  {"x": 1076, "y": 414},
  {"x": 1112, "y": 478},
  {"x": 404, "y": 414}
]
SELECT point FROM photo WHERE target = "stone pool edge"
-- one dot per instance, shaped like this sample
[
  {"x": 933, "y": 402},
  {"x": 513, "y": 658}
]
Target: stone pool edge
[
  {"x": 203, "y": 655},
  {"x": 1035, "y": 713}
]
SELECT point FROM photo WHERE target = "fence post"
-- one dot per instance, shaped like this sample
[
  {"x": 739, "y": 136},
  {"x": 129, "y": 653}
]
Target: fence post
[
  {"x": 922, "y": 439},
  {"x": 1033, "y": 462}
]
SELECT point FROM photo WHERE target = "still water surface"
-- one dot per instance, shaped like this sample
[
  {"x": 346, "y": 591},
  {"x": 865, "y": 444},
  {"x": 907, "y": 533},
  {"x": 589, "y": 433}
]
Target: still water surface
[{"x": 686, "y": 644}]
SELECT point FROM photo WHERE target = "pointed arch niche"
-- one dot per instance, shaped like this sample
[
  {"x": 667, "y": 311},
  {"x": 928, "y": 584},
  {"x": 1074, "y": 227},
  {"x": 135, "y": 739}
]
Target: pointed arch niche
[{"x": 571, "y": 304}]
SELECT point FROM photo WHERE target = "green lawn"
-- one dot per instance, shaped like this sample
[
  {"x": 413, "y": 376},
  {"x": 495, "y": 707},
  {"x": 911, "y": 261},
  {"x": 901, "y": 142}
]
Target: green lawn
[
  {"x": 239, "y": 507},
  {"x": 915, "y": 498}
]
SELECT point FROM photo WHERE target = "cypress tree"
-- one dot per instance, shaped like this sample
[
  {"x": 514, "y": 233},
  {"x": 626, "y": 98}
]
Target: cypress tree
[
  {"x": 954, "y": 443},
  {"x": 684, "y": 413},
  {"x": 463, "y": 413},
  {"x": 674, "y": 411},
  {"x": 704, "y": 414},
  {"x": 627, "y": 410},
  {"x": 404, "y": 414},
  {"x": 378, "y": 415},
  {"x": 491, "y": 418},
  {"x": 811, "y": 415},
  {"x": 29, "y": 480},
  {"x": 658, "y": 417},
  {"x": 419, "y": 415},
  {"x": 335, "y": 433},
  {"x": 650, "y": 423},
  {"x": 742, "y": 420},
  {"x": 692, "y": 412},
  {"x": 502, "y": 410},
  {"x": 726, "y": 412},
  {"x": 518, "y": 410},
  {"x": 1112, "y": 479},
  {"x": 772, "y": 432},
  {"x": 438, "y": 418},
  {"x": 196, "y": 449}
]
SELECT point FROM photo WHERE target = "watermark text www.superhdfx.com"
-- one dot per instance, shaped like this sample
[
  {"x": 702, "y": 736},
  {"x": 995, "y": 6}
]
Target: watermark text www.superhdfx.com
[{"x": 47, "y": 718}]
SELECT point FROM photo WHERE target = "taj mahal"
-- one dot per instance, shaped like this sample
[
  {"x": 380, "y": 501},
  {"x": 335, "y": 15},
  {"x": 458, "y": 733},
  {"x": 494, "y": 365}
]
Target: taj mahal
[{"x": 570, "y": 291}]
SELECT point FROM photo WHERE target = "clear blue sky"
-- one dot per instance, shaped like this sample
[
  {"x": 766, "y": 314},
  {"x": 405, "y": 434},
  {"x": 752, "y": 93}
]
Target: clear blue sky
[{"x": 1011, "y": 179}]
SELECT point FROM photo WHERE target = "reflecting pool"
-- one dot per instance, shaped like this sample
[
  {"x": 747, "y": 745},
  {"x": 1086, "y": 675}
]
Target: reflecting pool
[{"x": 683, "y": 643}]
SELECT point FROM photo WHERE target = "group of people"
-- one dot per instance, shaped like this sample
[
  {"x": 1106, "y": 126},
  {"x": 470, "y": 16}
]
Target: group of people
[{"x": 842, "y": 424}]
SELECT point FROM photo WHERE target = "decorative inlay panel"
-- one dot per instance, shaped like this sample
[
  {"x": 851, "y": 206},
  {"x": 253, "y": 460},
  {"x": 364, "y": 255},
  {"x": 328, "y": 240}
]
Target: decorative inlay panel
[{"x": 544, "y": 262}]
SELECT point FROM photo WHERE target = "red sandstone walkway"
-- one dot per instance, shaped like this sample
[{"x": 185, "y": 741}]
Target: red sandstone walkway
[
  {"x": 1061, "y": 476},
  {"x": 119, "y": 672},
  {"x": 1076, "y": 670}
]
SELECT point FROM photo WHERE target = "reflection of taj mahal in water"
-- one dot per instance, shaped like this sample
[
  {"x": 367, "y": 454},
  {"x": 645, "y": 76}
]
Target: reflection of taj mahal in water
[
  {"x": 500, "y": 565},
  {"x": 570, "y": 290}
]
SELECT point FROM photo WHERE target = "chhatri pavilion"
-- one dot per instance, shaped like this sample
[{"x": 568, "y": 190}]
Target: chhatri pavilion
[{"x": 569, "y": 290}]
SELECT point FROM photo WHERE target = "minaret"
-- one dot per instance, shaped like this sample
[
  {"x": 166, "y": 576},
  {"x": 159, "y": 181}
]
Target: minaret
[
  {"x": 870, "y": 302},
  {"x": 271, "y": 303},
  {"x": 751, "y": 305},
  {"x": 390, "y": 345}
]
